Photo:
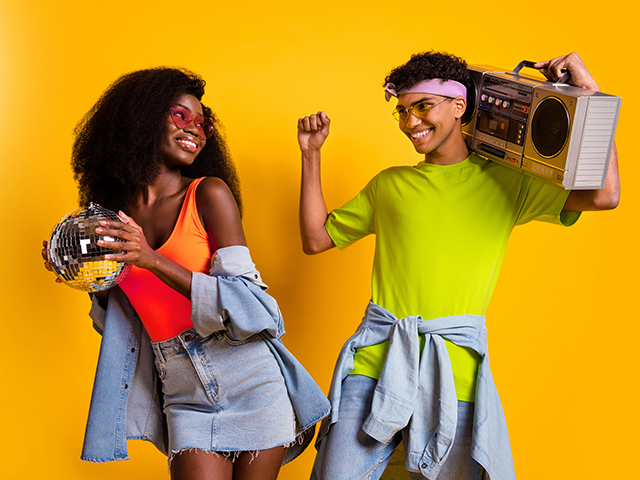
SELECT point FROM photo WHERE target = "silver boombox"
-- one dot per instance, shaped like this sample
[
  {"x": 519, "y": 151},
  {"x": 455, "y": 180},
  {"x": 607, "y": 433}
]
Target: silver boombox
[{"x": 552, "y": 131}]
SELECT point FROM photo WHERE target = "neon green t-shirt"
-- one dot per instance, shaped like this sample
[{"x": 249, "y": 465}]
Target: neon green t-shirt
[{"x": 441, "y": 234}]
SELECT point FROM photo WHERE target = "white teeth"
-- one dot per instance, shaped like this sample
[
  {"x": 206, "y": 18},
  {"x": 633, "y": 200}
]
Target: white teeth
[
  {"x": 188, "y": 143},
  {"x": 420, "y": 134}
]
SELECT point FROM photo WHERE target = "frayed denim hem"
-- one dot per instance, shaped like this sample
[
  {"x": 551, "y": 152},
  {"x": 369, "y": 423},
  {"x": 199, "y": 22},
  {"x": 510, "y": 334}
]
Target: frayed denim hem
[
  {"x": 227, "y": 455},
  {"x": 233, "y": 455}
]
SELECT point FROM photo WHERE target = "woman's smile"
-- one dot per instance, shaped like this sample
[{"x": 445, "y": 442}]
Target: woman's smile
[{"x": 188, "y": 143}]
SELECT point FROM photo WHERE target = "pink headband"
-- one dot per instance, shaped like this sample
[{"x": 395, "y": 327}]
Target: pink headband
[{"x": 450, "y": 88}]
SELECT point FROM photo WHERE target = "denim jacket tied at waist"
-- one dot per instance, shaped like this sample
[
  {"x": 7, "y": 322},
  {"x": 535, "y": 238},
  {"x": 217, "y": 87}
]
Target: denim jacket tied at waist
[
  {"x": 406, "y": 377},
  {"x": 126, "y": 402}
]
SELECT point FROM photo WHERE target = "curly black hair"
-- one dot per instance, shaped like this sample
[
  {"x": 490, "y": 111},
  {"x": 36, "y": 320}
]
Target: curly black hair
[
  {"x": 427, "y": 65},
  {"x": 118, "y": 142}
]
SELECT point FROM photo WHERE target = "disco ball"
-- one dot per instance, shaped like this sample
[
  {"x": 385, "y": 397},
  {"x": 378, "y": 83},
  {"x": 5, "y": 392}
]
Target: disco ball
[{"x": 76, "y": 257}]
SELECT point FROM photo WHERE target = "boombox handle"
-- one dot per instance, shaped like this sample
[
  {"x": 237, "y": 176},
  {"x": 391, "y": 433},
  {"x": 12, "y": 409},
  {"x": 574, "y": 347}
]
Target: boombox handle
[{"x": 529, "y": 64}]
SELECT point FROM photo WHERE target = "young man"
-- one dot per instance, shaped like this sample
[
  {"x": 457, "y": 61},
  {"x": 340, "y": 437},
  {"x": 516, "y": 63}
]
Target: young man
[{"x": 416, "y": 370}]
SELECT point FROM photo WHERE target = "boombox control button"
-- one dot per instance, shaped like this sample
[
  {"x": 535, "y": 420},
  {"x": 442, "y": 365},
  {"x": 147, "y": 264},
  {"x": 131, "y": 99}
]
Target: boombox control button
[
  {"x": 491, "y": 99},
  {"x": 498, "y": 102},
  {"x": 505, "y": 104},
  {"x": 483, "y": 97}
]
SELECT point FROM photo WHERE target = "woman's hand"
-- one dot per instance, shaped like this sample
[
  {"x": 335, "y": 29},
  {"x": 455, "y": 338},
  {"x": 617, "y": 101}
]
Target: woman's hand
[
  {"x": 47, "y": 263},
  {"x": 131, "y": 239}
]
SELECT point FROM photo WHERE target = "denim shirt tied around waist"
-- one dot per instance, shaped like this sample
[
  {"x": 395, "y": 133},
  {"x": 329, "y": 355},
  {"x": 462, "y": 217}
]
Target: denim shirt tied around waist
[
  {"x": 126, "y": 402},
  {"x": 406, "y": 377}
]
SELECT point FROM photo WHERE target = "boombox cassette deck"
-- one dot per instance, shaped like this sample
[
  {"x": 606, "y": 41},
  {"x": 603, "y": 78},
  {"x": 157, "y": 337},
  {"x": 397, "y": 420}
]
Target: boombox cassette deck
[{"x": 556, "y": 132}]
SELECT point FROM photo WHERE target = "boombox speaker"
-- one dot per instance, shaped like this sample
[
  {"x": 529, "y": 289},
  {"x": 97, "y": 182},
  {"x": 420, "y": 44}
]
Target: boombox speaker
[{"x": 556, "y": 132}]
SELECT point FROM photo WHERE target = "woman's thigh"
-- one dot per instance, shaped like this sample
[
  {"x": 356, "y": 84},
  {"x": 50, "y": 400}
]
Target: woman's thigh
[
  {"x": 264, "y": 465},
  {"x": 204, "y": 465},
  {"x": 201, "y": 465}
]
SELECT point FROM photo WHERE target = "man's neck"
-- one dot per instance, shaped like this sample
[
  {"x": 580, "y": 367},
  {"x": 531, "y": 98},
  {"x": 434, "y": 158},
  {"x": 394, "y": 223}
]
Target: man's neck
[{"x": 453, "y": 152}]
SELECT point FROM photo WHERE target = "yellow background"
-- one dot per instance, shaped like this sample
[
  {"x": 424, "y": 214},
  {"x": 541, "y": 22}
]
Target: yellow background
[{"x": 562, "y": 324}]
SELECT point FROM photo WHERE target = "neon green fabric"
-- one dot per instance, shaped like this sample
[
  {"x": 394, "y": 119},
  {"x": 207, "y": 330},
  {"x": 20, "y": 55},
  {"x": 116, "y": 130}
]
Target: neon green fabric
[{"x": 441, "y": 234}]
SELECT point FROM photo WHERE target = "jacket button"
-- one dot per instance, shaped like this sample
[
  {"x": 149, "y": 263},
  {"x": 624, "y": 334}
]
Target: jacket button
[
  {"x": 424, "y": 465},
  {"x": 126, "y": 386},
  {"x": 188, "y": 337}
]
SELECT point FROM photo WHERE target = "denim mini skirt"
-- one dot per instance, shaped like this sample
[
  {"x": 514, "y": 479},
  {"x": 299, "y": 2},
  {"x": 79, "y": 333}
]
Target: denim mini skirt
[{"x": 222, "y": 395}]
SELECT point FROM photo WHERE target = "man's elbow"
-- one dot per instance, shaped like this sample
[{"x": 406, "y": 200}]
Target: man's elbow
[
  {"x": 317, "y": 244},
  {"x": 311, "y": 248},
  {"x": 308, "y": 249},
  {"x": 607, "y": 202}
]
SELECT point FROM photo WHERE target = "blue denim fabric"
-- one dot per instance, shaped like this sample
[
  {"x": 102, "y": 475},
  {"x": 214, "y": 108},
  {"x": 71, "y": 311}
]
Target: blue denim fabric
[
  {"x": 126, "y": 401},
  {"x": 349, "y": 453},
  {"x": 223, "y": 395},
  {"x": 125, "y": 353},
  {"x": 405, "y": 377}
]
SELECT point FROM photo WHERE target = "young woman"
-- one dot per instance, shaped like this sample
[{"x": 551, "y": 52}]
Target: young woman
[{"x": 207, "y": 379}]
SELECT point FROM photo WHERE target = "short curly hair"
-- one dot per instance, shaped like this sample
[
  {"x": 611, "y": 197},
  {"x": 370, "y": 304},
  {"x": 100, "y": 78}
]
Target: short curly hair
[
  {"x": 118, "y": 142},
  {"x": 429, "y": 65}
]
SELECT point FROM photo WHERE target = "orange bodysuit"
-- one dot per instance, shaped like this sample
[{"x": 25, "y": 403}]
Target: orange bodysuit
[{"x": 164, "y": 312}]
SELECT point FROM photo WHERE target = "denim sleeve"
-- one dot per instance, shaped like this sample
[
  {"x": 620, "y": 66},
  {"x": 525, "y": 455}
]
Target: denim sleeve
[
  {"x": 207, "y": 313},
  {"x": 97, "y": 314}
]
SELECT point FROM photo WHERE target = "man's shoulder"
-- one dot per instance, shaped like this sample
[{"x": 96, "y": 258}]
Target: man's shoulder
[
  {"x": 396, "y": 171},
  {"x": 493, "y": 169},
  {"x": 474, "y": 165}
]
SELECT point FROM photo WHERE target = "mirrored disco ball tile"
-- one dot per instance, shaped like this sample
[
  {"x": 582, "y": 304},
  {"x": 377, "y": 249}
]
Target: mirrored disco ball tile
[{"x": 76, "y": 256}]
